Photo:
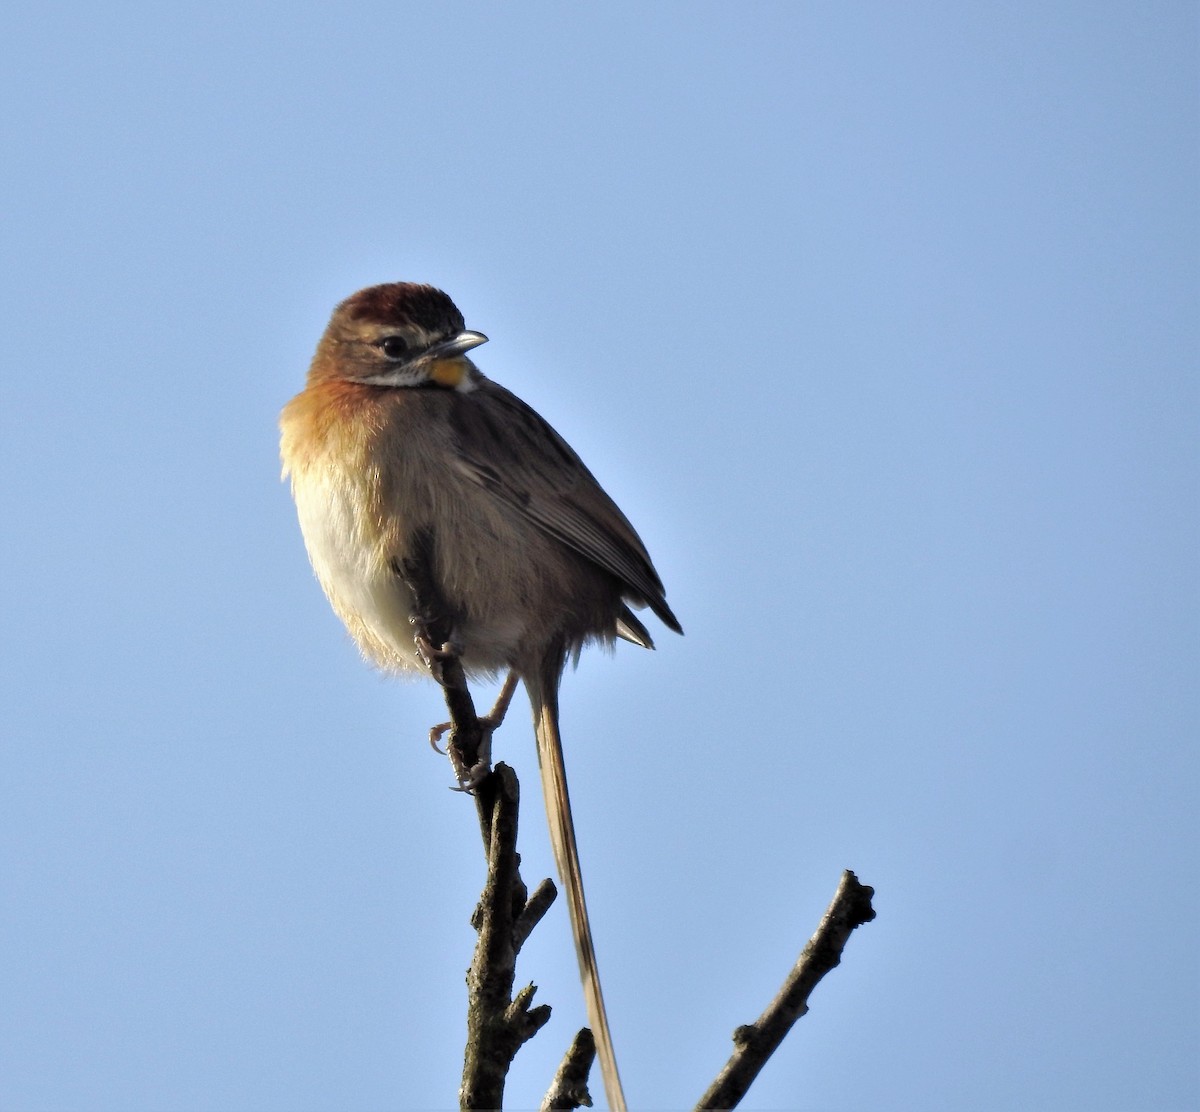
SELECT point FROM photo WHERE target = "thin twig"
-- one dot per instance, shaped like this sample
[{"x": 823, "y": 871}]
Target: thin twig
[{"x": 756, "y": 1042}]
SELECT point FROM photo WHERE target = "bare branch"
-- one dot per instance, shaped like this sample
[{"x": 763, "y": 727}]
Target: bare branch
[
  {"x": 569, "y": 1088},
  {"x": 498, "y": 1023},
  {"x": 754, "y": 1043},
  {"x": 529, "y": 917}
]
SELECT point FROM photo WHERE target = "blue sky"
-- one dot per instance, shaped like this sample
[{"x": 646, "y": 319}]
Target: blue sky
[{"x": 880, "y": 323}]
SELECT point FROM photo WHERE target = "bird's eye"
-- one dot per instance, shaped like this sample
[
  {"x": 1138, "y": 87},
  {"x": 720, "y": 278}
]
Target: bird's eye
[{"x": 394, "y": 347}]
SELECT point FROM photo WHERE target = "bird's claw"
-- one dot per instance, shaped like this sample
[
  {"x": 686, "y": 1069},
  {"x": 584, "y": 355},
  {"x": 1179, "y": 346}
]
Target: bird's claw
[
  {"x": 469, "y": 777},
  {"x": 433, "y": 655},
  {"x": 436, "y": 733}
]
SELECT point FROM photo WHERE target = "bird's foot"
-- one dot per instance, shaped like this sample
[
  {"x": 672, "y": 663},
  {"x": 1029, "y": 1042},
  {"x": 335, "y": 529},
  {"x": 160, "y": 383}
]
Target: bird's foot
[
  {"x": 470, "y": 775},
  {"x": 435, "y": 656}
]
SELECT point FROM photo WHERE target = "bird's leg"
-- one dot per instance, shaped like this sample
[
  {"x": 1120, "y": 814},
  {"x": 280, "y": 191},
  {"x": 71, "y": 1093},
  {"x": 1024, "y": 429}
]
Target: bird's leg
[
  {"x": 490, "y": 721},
  {"x": 500, "y": 707},
  {"x": 433, "y": 621},
  {"x": 470, "y": 744},
  {"x": 469, "y": 776}
]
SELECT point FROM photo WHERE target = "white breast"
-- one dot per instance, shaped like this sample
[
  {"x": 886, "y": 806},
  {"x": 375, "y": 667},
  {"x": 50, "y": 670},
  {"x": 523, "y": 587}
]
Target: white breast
[{"x": 353, "y": 568}]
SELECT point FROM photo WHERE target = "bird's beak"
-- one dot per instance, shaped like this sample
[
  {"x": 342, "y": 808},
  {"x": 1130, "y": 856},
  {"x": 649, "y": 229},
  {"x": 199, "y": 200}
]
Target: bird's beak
[
  {"x": 447, "y": 367},
  {"x": 443, "y": 363},
  {"x": 457, "y": 345}
]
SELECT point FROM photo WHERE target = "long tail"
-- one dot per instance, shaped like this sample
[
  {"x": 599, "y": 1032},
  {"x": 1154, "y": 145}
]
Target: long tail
[{"x": 543, "y": 695}]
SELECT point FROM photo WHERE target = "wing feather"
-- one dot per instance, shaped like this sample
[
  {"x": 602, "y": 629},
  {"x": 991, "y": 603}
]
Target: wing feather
[{"x": 506, "y": 448}]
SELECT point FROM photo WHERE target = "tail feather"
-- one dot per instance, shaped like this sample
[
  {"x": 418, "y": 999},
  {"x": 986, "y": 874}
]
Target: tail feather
[{"x": 543, "y": 695}]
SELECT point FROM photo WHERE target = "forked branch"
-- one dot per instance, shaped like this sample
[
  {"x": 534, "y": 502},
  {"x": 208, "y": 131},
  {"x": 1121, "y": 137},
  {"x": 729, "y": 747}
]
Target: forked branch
[{"x": 498, "y": 1023}]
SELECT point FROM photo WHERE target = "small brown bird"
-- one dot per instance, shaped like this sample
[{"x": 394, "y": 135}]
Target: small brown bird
[{"x": 399, "y": 449}]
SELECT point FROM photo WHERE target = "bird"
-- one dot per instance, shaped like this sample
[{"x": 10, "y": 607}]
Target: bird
[{"x": 399, "y": 449}]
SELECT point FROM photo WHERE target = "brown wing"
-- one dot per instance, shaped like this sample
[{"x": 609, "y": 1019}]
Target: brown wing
[{"x": 510, "y": 451}]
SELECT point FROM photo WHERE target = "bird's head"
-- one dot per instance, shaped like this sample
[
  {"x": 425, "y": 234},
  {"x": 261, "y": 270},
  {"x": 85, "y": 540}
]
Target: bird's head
[{"x": 398, "y": 335}]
